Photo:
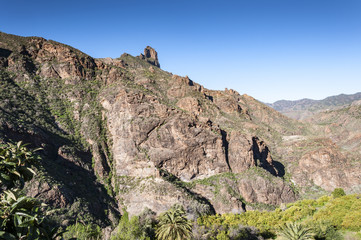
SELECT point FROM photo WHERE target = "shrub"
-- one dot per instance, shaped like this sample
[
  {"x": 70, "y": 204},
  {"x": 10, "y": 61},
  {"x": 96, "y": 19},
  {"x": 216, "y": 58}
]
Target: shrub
[
  {"x": 129, "y": 229},
  {"x": 338, "y": 192},
  {"x": 83, "y": 232},
  {"x": 325, "y": 231},
  {"x": 342, "y": 212}
]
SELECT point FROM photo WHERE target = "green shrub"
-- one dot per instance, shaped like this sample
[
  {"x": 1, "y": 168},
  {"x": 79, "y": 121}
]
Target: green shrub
[
  {"x": 83, "y": 232},
  {"x": 222, "y": 235},
  {"x": 325, "y": 231},
  {"x": 342, "y": 212},
  {"x": 324, "y": 213},
  {"x": 338, "y": 192},
  {"x": 129, "y": 229}
]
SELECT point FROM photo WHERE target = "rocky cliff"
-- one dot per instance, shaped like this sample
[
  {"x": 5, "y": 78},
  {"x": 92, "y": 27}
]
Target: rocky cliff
[{"x": 124, "y": 133}]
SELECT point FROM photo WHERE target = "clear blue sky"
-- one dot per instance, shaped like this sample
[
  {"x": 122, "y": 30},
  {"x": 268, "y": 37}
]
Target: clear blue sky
[{"x": 269, "y": 49}]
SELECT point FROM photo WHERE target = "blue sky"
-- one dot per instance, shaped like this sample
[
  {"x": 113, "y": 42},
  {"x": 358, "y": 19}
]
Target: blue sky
[{"x": 269, "y": 49}]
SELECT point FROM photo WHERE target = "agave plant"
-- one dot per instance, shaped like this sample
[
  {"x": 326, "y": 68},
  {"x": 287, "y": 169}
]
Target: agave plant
[
  {"x": 296, "y": 231},
  {"x": 174, "y": 225}
]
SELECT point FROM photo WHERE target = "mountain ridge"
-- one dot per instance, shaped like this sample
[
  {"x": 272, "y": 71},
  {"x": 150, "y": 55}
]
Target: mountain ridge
[
  {"x": 303, "y": 108},
  {"x": 140, "y": 137}
]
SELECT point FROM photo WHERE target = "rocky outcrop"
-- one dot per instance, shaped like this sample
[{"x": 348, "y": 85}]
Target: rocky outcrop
[
  {"x": 147, "y": 134},
  {"x": 190, "y": 104},
  {"x": 238, "y": 193},
  {"x": 262, "y": 190},
  {"x": 151, "y": 56},
  {"x": 326, "y": 167},
  {"x": 245, "y": 152}
]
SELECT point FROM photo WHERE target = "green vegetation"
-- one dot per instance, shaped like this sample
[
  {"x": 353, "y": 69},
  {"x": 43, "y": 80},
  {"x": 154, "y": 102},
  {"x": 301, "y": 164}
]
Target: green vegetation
[
  {"x": 14, "y": 165},
  {"x": 21, "y": 110},
  {"x": 41, "y": 107},
  {"x": 325, "y": 216},
  {"x": 21, "y": 217},
  {"x": 296, "y": 231},
  {"x": 137, "y": 227},
  {"x": 83, "y": 232},
  {"x": 338, "y": 192},
  {"x": 173, "y": 224}
]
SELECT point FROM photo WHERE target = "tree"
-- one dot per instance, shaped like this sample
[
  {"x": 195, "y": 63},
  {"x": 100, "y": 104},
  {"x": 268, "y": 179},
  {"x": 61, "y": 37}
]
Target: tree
[
  {"x": 174, "y": 225},
  {"x": 129, "y": 229},
  {"x": 21, "y": 217},
  {"x": 296, "y": 231},
  {"x": 338, "y": 192}
]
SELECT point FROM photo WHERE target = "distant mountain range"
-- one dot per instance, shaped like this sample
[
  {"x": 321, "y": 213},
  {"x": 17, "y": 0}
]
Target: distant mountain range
[{"x": 301, "y": 109}]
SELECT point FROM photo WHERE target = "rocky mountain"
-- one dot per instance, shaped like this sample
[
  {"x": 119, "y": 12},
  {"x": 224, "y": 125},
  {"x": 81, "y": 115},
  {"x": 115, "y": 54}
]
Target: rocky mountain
[
  {"x": 342, "y": 126},
  {"x": 122, "y": 133},
  {"x": 301, "y": 109}
]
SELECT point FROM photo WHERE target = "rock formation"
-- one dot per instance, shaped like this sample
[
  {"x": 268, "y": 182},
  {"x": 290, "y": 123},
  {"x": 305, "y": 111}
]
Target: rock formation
[
  {"x": 151, "y": 56},
  {"x": 122, "y": 133}
]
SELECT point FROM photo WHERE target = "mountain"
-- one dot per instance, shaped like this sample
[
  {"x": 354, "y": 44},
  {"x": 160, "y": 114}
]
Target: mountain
[
  {"x": 301, "y": 109},
  {"x": 123, "y": 133},
  {"x": 342, "y": 126}
]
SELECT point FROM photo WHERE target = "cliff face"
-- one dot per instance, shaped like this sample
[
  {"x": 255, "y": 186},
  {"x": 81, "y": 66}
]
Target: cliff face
[
  {"x": 129, "y": 134},
  {"x": 343, "y": 127}
]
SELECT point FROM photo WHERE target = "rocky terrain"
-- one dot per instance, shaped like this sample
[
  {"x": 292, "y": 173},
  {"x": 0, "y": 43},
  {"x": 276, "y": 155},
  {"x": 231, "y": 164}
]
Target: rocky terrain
[
  {"x": 122, "y": 133},
  {"x": 343, "y": 126}
]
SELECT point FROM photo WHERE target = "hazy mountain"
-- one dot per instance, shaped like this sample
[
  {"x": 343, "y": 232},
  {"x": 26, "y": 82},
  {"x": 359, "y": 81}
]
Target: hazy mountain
[{"x": 301, "y": 109}]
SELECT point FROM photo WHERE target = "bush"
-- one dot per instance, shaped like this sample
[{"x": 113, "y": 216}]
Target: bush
[
  {"x": 325, "y": 215},
  {"x": 83, "y": 232},
  {"x": 338, "y": 192},
  {"x": 325, "y": 231},
  {"x": 129, "y": 229},
  {"x": 342, "y": 212}
]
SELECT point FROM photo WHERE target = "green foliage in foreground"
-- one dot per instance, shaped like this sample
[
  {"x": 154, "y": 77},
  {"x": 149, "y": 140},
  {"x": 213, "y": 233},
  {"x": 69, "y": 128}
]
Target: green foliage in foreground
[
  {"x": 321, "y": 219},
  {"x": 21, "y": 217},
  {"x": 15, "y": 160},
  {"x": 296, "y": 231},
  {"x": 324, "y": 215}
]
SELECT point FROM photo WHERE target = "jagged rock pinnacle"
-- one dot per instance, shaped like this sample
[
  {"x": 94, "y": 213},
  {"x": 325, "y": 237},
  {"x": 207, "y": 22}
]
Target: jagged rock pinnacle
[{"x": 151, "y": 56}]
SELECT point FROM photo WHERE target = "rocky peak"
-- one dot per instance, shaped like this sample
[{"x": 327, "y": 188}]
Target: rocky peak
[{"x": 151, "y": 56}]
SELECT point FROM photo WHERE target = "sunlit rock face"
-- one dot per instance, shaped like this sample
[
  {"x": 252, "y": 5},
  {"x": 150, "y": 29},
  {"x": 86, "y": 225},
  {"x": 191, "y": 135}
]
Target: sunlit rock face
[{"x": 147, "y": 138}]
